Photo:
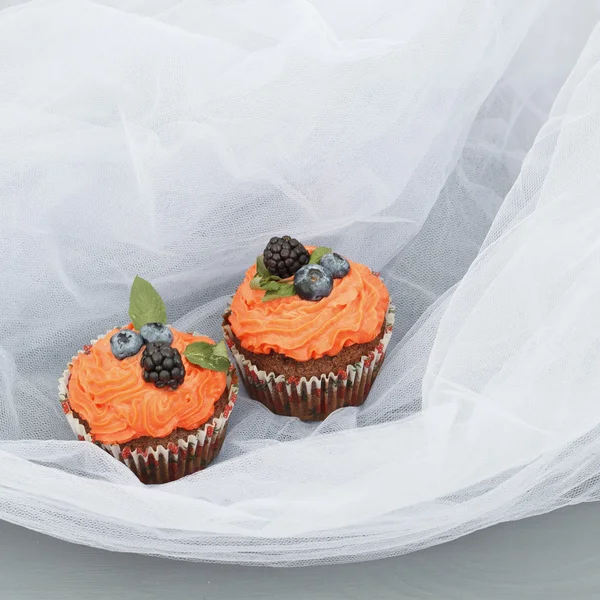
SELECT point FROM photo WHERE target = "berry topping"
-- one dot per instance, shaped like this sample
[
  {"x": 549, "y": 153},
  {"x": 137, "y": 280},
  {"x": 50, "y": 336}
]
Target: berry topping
[
  {"x": 284, "y": 256},
  {"x": 156, "y": 332},
  {"x": 125, "y": 343},
  {"x": 313, "y": 282},
  {"x": 162, "y": 365},
  {"x": 337, "y": 265}
]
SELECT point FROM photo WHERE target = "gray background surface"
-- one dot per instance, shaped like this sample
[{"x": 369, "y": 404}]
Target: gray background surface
[{"x": 553, "y": 556}]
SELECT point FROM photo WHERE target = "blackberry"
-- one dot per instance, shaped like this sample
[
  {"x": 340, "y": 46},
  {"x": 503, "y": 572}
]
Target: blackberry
[
  {"x": 284, "y": 256},
  {"x": 162, "y": 365}
]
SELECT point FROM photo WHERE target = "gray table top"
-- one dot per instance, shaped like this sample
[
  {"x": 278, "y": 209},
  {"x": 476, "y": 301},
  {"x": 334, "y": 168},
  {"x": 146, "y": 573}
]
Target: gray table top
[{"x": 555, "y": 556}]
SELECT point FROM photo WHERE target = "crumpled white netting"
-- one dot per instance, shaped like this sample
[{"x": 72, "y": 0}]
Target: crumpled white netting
[{"x": 171, "y": 139}]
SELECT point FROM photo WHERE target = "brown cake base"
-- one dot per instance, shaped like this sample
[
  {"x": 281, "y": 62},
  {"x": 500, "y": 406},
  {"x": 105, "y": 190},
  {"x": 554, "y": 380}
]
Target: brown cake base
[
  {"x": 161, "y": 460},
  {"x": 176, "y": 434},
  {"x": 313, "y": 389},
  {"x": 152, "y": 442},
  {"x": 281, "y": 364}
]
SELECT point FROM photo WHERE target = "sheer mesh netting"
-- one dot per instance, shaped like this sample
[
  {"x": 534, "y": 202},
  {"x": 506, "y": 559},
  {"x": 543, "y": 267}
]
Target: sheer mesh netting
[{"x": 171, "y": 139}]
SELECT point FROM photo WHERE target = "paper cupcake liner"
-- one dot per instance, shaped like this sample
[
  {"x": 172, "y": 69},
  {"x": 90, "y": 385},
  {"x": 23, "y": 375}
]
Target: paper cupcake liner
[
  {"x": 162, "y": 463},
  {"x": 314, "y": 398}
]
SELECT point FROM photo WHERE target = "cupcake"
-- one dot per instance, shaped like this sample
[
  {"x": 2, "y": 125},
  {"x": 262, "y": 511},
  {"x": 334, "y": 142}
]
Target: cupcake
[
  {"x": 308, "y": 329},
  {"x": 155, "y": 398}
]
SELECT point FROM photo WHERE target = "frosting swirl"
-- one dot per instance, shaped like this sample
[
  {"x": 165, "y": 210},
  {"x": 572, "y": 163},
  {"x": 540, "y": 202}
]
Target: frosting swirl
[
  {"x": 352, "y": 314},
  {"x": 119, "y": 406}
]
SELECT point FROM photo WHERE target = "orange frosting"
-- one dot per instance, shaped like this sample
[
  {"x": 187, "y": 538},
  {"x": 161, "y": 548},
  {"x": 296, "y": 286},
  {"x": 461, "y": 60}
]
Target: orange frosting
[
  {"x": 301, "y": 329},
  {"x": 119, "y": 405}
]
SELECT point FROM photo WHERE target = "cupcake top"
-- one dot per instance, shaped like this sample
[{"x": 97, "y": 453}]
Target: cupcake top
[
  {"x": 148, "y": 382},
  {"x": 331, "y": 303}
]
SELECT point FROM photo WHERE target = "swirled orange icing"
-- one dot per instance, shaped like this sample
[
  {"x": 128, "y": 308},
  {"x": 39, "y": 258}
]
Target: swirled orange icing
[
  {"x": 300, "y": 329},
  {"x": 119, "y": 405}
]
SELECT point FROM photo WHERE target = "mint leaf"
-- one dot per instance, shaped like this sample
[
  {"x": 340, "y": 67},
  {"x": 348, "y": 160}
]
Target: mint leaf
[
  {"x": 198, "y": 349},
  {"x": 220, "y": 350},
  {"x": 255, "y": 283},
  {"x": 317, "y": 254},
  {"x": 261, "y": 270},
  {"x": 145, "y": 304},
  {"x": 208, "y": 356},
  {"x": 284, "y": 290},
  {"x": 270, "y": 286}
]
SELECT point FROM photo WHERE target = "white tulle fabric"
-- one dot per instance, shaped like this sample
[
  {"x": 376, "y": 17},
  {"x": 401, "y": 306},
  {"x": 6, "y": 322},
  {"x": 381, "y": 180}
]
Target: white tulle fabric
[{"x": 171, "y": 139}]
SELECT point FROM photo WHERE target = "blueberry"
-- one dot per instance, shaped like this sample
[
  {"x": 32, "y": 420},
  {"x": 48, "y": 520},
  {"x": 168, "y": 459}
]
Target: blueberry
[
  {"x": 125, "y": 343},
  {"x": 156, "y": 332},
  {"x": 313, "y": 282},
  {"x": 337, "y": 265}
]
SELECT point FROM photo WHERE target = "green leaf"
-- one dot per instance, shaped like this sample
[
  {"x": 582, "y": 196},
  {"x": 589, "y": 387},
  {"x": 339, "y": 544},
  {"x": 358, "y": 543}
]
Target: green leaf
[
  {"x": 145, "y": 304},
  {"x": 256, "y": 283},
  {"x": 261, "y": 270},
  {"x": 208, "y": 356},
  {"x": 284, "y": 290},
  {"x": 220, "y": 349},
  {"x": 270, "y": 286},
  {"x": 317, "y": 254},
  {"x": 198, "y": 349}
]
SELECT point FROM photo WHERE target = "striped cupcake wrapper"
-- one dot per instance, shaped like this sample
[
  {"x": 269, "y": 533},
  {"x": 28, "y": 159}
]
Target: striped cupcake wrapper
[{"x": 315, "y": 398}]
